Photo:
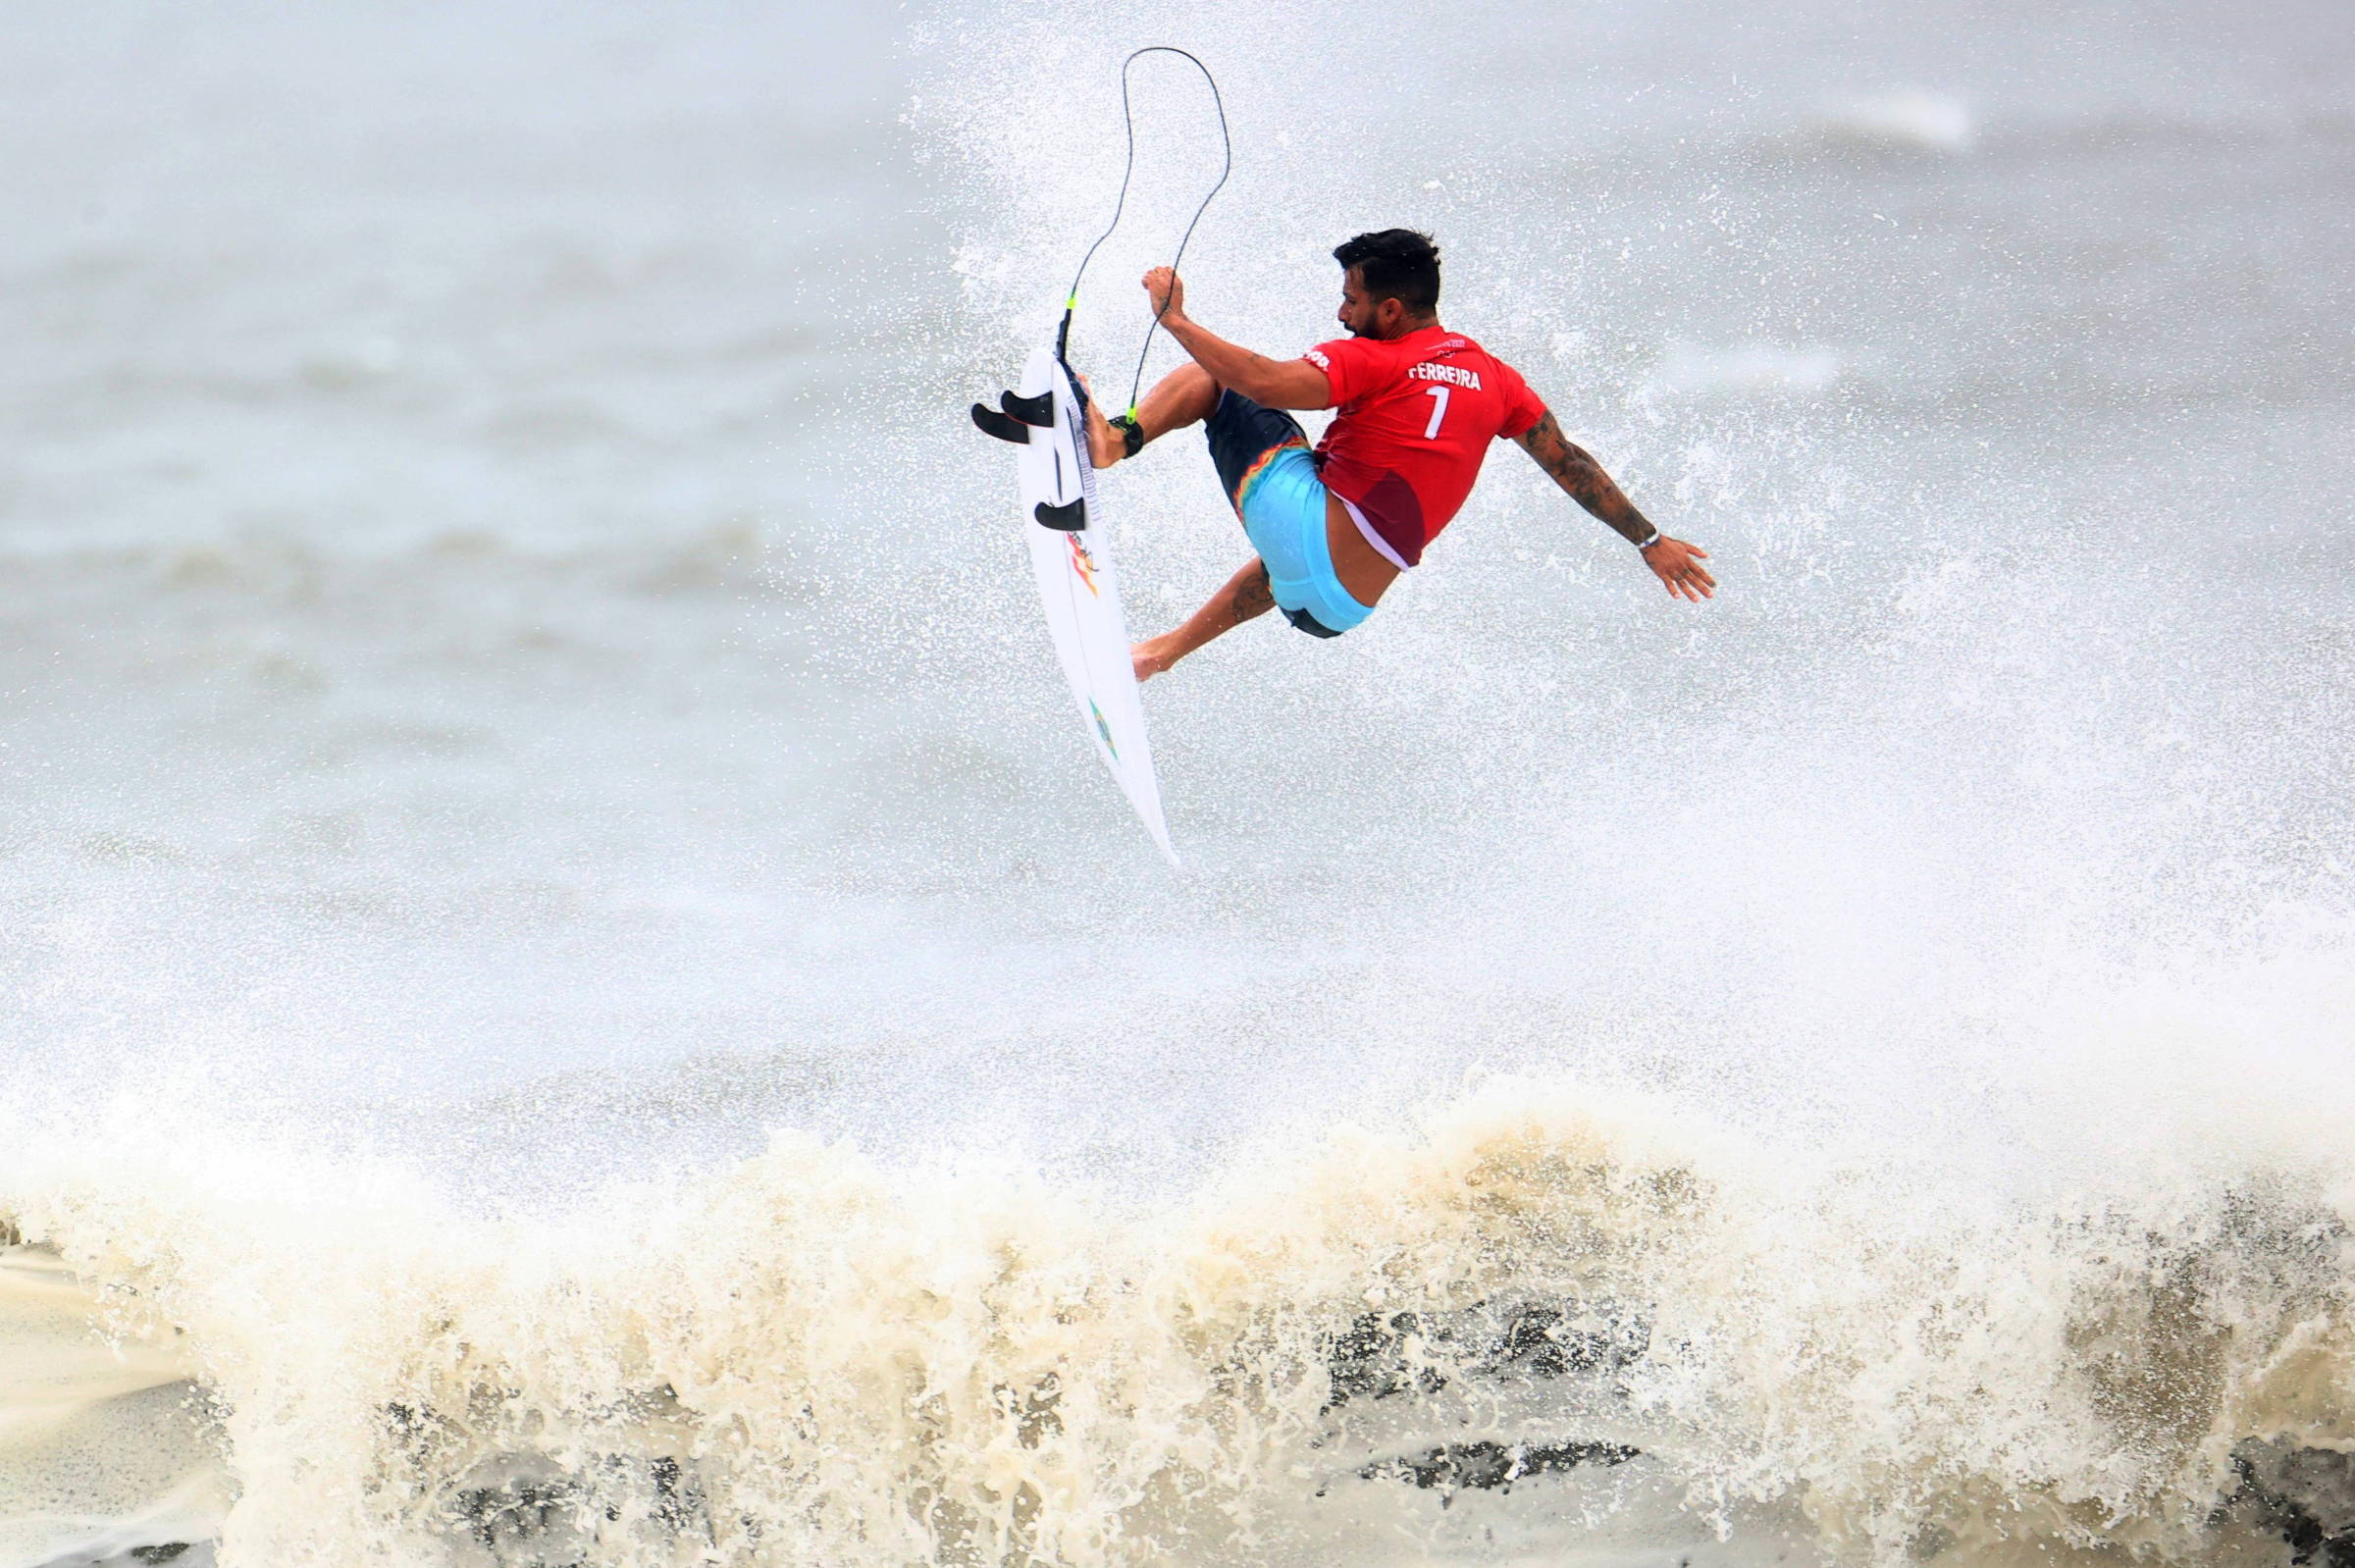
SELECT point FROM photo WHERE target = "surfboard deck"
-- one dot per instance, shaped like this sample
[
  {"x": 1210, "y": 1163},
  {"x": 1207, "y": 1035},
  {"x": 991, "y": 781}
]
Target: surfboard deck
[{"x": 1072, "y": 558}]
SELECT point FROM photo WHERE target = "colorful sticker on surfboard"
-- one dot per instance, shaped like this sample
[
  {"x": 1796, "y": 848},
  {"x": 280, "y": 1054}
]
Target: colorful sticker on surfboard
[{"x": 1085, "y": 565}]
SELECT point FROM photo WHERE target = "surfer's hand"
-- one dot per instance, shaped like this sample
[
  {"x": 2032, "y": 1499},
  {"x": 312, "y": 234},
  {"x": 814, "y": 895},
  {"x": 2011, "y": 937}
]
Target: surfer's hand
[
  {"x": 1167, "y": 293},
  {"x": 1677, "y": 565},
  {"x": 1150, "y": 657}
]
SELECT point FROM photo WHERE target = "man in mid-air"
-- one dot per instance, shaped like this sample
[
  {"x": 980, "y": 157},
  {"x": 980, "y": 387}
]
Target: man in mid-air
[{"x": 1416, "y": 406}]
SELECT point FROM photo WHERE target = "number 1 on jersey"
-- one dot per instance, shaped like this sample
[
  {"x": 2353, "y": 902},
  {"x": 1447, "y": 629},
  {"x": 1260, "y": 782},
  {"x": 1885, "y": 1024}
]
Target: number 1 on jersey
[{"x": 1439, "y": 410}]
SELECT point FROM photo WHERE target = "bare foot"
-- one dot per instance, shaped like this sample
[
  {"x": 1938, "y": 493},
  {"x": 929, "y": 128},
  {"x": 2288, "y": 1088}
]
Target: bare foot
[
  {"x": 1105, "y": 447},
  {"x": 1150, "y": 657}
]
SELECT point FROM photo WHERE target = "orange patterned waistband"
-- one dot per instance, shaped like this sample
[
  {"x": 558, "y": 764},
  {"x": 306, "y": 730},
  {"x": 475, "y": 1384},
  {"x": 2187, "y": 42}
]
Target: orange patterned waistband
[{"x": 1259, "y": 466}]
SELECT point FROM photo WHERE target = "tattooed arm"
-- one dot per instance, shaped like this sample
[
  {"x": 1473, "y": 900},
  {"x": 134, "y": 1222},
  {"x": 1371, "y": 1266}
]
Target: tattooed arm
[
  {"x": 1582, "y": 478},
  {"x": 1246, "y": 595},
  {"x": 1676, "y": 563}
]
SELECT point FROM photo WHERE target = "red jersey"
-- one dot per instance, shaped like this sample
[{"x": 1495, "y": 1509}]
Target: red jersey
[{"x": 1415, "y": 418}]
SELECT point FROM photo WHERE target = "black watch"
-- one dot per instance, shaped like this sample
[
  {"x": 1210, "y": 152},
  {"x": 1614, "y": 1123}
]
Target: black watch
[{"x": 1132, "y": 434}]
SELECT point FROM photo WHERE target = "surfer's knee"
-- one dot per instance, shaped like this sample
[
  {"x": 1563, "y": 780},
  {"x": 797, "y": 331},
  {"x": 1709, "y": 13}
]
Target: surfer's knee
[{"x": 1184, "y": 397}]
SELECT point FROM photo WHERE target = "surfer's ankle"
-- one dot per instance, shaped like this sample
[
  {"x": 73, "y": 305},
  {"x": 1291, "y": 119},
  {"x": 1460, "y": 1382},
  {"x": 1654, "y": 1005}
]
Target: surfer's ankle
[
  {"x": 1105, "y": 445},
  {"x": 1152, "y": 656}
]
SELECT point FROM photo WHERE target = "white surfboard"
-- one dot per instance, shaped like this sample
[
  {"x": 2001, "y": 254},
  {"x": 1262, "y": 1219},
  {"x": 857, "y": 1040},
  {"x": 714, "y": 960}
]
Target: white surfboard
[{"x": 1078, "y": 585}]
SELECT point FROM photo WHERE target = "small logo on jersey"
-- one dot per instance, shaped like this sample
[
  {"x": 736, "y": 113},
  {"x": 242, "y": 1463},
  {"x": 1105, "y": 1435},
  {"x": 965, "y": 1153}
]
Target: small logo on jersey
[
  {"x": 1317, "y": 359},
  {"x": 1103, "y": 728},
  {"x": 1084, "y": 565}
]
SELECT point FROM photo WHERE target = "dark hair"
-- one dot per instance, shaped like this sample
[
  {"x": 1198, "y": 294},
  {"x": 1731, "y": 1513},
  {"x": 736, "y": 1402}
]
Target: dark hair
[{"x": 1400, "y": 264}]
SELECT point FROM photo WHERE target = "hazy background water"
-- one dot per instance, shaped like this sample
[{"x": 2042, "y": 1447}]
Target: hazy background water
[
  {"x": 513, "y": 657},
  {"x": 494, "y": 590}
]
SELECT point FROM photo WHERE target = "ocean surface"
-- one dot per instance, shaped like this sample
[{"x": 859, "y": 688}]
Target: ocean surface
[{"x": 572, "y": 993}]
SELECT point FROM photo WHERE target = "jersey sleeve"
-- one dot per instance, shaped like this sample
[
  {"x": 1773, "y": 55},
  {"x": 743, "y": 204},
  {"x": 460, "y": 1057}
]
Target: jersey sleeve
[
  {"x": 1523, "y": 408},
  {"x": 1350, "y": 365}
]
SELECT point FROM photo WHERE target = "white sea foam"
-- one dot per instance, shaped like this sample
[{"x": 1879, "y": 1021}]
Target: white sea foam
[{"x": 810, "y": 1356}]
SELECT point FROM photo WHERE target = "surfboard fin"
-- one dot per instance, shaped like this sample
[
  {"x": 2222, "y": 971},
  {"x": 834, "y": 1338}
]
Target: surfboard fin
[
  {"x": 1039, "y": 410},
  {"x": 993, "y": 423},
  {"x": 1070, "y": 517}
]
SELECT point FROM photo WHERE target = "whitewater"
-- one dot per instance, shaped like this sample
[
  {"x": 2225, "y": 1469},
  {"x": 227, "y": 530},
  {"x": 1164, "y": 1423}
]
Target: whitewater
[{"x": 572, "y": 997}]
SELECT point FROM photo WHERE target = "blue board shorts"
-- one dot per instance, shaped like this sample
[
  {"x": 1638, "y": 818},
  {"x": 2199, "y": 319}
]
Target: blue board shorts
[{"x": 1263, "y": 461}]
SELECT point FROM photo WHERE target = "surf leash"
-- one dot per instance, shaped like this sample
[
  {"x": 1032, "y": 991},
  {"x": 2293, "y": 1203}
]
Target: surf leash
[{"x": 1063, "y": 334}]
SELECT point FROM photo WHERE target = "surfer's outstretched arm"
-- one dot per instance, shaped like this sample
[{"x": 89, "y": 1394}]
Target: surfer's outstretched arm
[
  {"x": 1268, "y": 383},
  {"x": 1676, "y": 563},
  {"x": 1245, "y": 595}
]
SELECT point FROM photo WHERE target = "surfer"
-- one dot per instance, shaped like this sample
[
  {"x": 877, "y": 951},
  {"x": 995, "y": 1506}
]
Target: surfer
[{"x": 1416, "y": 408}]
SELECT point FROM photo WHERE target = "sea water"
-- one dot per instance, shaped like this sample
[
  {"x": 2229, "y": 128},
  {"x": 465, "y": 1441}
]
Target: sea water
[{"x": 573, "y": 993}]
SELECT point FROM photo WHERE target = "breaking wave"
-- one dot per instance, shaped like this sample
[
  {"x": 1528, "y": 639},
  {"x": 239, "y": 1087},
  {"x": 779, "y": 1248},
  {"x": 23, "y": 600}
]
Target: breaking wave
[{"x": 1539, "y": 1309}]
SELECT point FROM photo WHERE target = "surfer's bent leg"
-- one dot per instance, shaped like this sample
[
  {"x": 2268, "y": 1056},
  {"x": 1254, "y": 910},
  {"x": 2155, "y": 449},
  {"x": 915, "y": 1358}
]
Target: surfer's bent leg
[
  {"x": 1184, "y": 397},
  {"x": 1239, "y": 599}
]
